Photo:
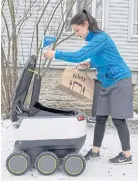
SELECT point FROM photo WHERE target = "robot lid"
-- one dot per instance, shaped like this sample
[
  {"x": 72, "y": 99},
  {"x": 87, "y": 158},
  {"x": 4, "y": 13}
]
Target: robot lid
[{"x": 22, "y": 87}]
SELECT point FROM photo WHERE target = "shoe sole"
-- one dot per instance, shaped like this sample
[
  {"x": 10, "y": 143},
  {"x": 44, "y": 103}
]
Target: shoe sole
[
  {"x": 92, "y": 159},
  {"x": 123, "y": 163}
]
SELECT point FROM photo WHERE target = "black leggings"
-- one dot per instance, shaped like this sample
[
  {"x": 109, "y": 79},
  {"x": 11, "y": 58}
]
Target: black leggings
[{"x": 121, "y": 127}]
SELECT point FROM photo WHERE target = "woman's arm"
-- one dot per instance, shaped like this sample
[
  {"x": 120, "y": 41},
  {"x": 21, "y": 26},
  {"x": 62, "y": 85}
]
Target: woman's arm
[{"x": 93, "y": 47}]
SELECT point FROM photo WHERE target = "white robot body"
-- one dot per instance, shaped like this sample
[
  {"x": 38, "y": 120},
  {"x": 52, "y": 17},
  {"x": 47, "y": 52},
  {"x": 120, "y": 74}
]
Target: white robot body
[{"x": 36, "y": 128}]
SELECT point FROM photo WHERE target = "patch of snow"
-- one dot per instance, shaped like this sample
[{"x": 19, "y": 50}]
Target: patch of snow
[{"x": 135, "y": 115}]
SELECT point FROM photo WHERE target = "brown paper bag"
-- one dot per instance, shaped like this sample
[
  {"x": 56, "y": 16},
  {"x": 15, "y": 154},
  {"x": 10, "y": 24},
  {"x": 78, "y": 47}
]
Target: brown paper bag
[{"x": 77, "y": 83}]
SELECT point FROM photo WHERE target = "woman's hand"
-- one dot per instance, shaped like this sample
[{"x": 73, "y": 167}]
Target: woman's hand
[
  {"x": 84, "y": 65},
  {"x": 49, "y": 54}
]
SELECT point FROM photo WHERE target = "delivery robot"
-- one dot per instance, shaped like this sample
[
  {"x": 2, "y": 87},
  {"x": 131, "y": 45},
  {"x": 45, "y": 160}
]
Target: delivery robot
[{"x": 45, "y": 138}]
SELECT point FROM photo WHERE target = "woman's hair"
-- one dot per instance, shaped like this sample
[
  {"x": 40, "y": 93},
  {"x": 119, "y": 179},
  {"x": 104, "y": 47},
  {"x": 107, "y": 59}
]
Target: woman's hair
[{"x": 83, "y": 16}]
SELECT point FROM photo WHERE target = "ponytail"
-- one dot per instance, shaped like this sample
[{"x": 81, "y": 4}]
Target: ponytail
[{"x": 83, "y": 16}]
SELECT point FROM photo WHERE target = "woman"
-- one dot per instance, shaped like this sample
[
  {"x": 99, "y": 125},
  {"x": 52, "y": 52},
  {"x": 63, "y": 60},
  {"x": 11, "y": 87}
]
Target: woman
[{"x": 115, "y": 96}]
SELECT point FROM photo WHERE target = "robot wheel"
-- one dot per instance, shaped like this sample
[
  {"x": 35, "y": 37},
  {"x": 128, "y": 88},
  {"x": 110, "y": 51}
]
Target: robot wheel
[
  {"x": 47, "y": 163},
  {"x": 74, "y": 164},
  {"x": 18, "y": 163}
]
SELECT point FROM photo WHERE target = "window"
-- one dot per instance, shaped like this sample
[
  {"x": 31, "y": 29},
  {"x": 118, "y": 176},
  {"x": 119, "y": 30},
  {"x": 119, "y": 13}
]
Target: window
[
  {"x": 95, "y": 7},
  {"x": 133, "y": 20},
  {"x": 135, "y": 17}
]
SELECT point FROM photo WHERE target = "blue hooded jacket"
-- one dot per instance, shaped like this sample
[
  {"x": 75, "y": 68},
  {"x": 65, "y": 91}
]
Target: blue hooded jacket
[{"x": 103, "y": 55}]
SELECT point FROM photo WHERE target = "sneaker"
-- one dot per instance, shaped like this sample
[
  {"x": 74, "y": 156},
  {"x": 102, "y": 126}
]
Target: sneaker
[
  {"x": 91, "y": 119},
  {"x": 121, "y": 159},
  {"x": 91, "y": 156}
]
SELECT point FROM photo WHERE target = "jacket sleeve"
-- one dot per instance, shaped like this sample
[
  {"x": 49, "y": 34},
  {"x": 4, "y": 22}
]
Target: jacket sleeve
[
  {"x": 91, "y": 65},
  {"x": 92, "y": 48}
]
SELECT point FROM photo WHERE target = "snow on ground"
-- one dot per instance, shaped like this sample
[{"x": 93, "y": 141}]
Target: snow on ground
[{"x": 99, "y": 170}]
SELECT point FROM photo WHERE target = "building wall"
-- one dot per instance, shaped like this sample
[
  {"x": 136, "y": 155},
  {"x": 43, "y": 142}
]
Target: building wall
[
  {"x": 116, "y": 20},
  {"x": 118, "y": 27}
]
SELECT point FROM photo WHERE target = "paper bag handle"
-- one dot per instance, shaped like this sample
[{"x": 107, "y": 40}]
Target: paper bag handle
[{"x": 86, "y": 69}]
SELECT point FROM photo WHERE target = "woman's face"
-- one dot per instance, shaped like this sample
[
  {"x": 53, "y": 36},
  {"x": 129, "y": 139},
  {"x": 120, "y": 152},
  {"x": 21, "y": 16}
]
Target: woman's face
[{"x": 80, "y": 30}]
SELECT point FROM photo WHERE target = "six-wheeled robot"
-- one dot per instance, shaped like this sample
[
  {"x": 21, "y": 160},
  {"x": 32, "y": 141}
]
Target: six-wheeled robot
[{"x": 45, "y": 137}]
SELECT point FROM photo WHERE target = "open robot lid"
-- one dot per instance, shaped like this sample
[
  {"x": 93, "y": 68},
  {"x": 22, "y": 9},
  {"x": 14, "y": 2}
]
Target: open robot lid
[
  {"x": 22, "y": 87},
  {"x": 21, "y": 91}
]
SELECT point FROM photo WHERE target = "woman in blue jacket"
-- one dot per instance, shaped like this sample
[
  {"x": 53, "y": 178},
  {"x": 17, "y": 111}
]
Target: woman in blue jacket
[{"x": 116, "y": 92}]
